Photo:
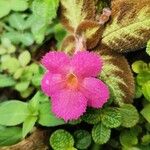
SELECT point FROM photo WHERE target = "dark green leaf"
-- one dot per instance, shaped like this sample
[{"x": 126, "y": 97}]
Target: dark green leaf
[
  {"x": 128, "y": 138},
  {"x": 9, "y": 136},
  {"x": 82, "y": 139}
]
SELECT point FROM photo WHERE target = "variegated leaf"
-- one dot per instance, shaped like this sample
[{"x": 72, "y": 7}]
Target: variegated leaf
[
  {"x": 117, "y": 75},
  {"x": 75, "y": 11},
  {"x": 129, "y": 28},
  {"x": 68, "y": 44},
  {"x": 91, "y": 31}
]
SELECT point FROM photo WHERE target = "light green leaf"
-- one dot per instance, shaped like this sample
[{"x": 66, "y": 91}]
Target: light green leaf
[
  {"x": 10, "y": 136},
  {"x": 146, "y": 112},
  {"x": 28, "y": 125},
  {"x": 18, "y": 73},
  {"x": 129, "y": 28},
  {"x": 6, "y": 81},
  {"x": 24, "y": 58},
  {"x": 16, "y": 20},
  {"x": 34, "y": 102},
  {"x": 11, "y": 64},
  {"x": 22, "y": 86},
  {"x": 143, "y": 77},
  {"x": 19, "y": 5},
  {"x": 100, "y": 133},
  {"x": 130, "y": 116},
  {"x": 46, "y": 117},
  {"x": 27, "y": 92},
  {"x": 139, "y": 66},
  {"x": 128, "y": 138},
  {"x": 13, "y": 112},
  {"x": 61, "y": 140},
  {"x": 82, "y": 139},
  {"x": 111, "y": 118},
  {"x": 5, "y": 8},
  {"x": 26, "y": 38},
  {"x": 44, "y": 11}
]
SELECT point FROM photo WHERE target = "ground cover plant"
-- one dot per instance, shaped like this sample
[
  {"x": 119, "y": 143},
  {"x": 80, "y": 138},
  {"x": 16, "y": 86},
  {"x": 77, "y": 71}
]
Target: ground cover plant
[{"x": 74, "y": 74}]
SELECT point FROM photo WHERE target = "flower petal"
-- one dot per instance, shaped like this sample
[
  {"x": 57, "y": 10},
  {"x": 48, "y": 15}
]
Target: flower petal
[
  {"x": 86, "y": 64},
  {"x": 68, "y": 104},
  {"x": 56, "y": 62},
  {"x": 52, "y": 83},
  {"x": 96, "y": 91}
]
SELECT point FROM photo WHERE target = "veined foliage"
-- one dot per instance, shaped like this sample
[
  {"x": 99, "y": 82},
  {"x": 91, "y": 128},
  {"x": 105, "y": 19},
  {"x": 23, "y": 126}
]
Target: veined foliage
[
  {"x": 117, "y": 75},
  {"x": 129, "y": 28}
]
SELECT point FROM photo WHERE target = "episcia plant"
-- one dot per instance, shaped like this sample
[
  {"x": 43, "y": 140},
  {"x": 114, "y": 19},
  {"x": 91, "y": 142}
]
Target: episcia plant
[{"x": 88, "y": 86}]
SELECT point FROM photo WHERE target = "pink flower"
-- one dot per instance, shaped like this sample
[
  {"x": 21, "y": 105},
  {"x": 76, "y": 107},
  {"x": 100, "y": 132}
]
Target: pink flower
[{"x": 71, "y": 83}]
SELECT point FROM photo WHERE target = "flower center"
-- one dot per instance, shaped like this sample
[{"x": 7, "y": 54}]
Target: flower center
[{"x": 72, "y": 80}]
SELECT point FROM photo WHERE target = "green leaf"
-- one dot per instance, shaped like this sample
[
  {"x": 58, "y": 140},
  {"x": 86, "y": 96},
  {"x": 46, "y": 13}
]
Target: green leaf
[
  {"x": 26, "y": 38},
  {"x": 11, "y": 64},
  {"x": 19, "y": 5},
  {"x": 28, "y": 125},
  {"x": 82, "y": 139},
  {"x": 146, "y": 90},
  {"x": 143, "y": 77},
  {"x": 10, "y": 136},
  {"x": 6, "y": 81},
  {"x": 92, "y": 116},
  {"x": 44, "y": 12},
  {"x": 128, "y": 138},
  {"x": 5, "y": 8},
  {"x": 16, "y": 37},
  {"x": 148, "y": 48},
  {"x": 22, "y": 86},
  {"x": 138, "y": 91},
  {"x": 34, "y": 102},
  {"x": 13, "y": 112},
  {"x": 16, "y": 21},
  {"x": 111, "y": 118},
  {"x": 146, "y": 112},
  {"x": 46, "y": 117},
  {"x": 139, "y": 66},
  {"x": 74, "y": 12},
  {"x": 130, "y": 116},
  {"x": 24, "y": 58},
  {"x": 27, "y": 92},
  {"x": 129, "y": 28},
  {"x": 16, "y": 5},
  {"x": 146, "y": 139},
  {"x": 61, "y": 140},
  {"x": 100, "y": 133}
]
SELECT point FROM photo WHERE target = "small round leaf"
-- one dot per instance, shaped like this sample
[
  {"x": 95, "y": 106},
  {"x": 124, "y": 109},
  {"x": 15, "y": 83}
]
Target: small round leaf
[
  {"x": 100, "y": 133},
  {"x": 24, "y": 58},
  {"x": 111, "y": 118},
  {"x": 129, "y": 114},
  {"x": 61, "y": 140}
]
